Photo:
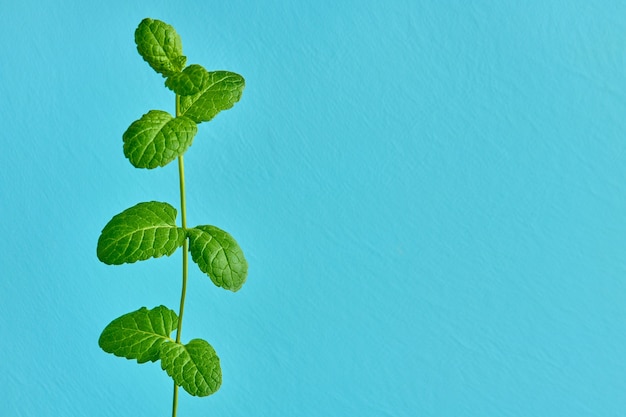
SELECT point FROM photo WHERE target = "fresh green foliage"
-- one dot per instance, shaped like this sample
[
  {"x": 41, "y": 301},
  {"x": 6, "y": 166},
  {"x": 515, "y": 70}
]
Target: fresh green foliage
[
  {"x": 160, "y": 46},
  {"x": 149, "y": 230},
  {"x": 140, "y": 334},
  {"x": 219, "y": 91},
  {"x": 157, "y": 139},
  {"x": 190, "y": 81},
  {"x": 194, "y": 366},
  {"x": 219, "y": 256}
]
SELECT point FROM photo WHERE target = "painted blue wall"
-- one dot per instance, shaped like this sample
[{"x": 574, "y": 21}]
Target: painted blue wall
[{"x": 431, "y": 196}]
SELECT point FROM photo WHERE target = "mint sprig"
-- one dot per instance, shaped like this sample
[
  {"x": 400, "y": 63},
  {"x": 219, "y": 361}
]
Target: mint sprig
[{"x": 149, "y": 229}]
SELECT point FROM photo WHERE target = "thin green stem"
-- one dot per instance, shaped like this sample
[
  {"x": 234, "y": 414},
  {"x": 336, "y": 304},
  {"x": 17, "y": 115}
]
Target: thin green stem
[
  {"x": 181, "y": 173},
  {"x": 183, "y": 214},
  {"x": 175, "y": 401}
]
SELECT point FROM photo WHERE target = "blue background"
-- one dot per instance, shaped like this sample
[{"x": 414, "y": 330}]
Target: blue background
[{"x": 431, "y": 196}]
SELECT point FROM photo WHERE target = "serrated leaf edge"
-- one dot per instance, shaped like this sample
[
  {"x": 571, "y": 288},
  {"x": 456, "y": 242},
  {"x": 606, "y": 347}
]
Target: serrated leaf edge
[
  {"x": 179, "y": 61},
  {"x": 196, "y": 97},
  {"x": 170, "y": 371},
  {"x": 180, "y": 230},
  {"x": 155, "y": 335},
  {"x": 150, "y": 117},
  {"x": 195, "y": 255}
]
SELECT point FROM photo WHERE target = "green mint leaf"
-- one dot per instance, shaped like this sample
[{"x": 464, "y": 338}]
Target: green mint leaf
[
  {"x": 140, "y": 334},
  {"x": 157, "y": 139},
  {"x": 221, "y": 91},
  {"x": 194, "y": 366},
  {"x": 191, "y": 80},
  {"x": 160, "y": 46},
  {"x": 219, "y": 256},
  {"x": 147, "y": 230}
]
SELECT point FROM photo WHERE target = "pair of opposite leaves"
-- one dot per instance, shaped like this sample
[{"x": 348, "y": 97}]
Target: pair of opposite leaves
[
  {"x": 158, "y": 138},
  {"x": 148, "y": 229},
  {"x": 144, "y": 335}
]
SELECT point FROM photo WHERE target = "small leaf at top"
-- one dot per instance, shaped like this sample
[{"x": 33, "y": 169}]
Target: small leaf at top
[
  {"x": 221, "y": 91},
  {"x": 191, "y": 80},
  {"x": 160, "y": 46},
  {"x": 140, "y": 334},
  {"x": 219, "y": 256},
  {"x": 147, "y": 230},
  {"x": 194, "y": 366},
  {"x": 157, "y": 139}
]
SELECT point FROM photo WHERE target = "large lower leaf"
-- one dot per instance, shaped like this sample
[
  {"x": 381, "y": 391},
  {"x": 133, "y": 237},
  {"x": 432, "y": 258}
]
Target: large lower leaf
[
  {"x": 140, "y": 334},
  {"x": 157, "y": 139},
  {"x": 219, "y": 256},
  {"x": 147, "y": 230},
  {"x": 222, "y": 89},
  {"x": 194, "y": 366},
  {"x": 160, "y": 46}
]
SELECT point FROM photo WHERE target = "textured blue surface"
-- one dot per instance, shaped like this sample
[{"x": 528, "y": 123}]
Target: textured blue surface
[{"x": 431, "y": 196}]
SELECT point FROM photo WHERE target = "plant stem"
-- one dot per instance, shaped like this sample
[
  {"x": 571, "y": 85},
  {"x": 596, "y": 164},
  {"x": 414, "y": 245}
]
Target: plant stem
[
  {"x": 183, "y": 214},
  {"x": 181, "y": 168}
]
